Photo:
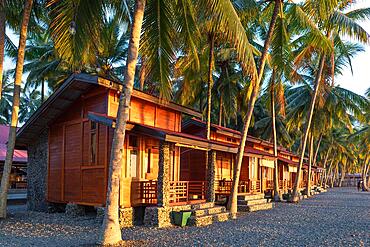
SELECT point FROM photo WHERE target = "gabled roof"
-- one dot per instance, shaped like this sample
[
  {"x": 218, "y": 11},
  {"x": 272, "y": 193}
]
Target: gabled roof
[
  {"x": 224, "y": 130},
  {"x": 19, "y": 155},
  {"x": 183, "y": 139},
  {"x": 69, "y": 91}
]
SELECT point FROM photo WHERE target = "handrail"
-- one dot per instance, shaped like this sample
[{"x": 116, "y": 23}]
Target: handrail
[
  {"x": 245, "y": 186},
  {"x": 145, "y": 192}
]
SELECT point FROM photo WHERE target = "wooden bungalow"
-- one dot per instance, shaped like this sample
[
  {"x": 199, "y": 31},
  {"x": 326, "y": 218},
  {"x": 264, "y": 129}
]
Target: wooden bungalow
[
  {"x": 256, "y": 177},
  {"x": 164, "y": 166},
  {"x": 69, "y": 140}
]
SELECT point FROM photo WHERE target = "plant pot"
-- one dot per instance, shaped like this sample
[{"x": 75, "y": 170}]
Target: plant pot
[{"x": 181, "y": 218}]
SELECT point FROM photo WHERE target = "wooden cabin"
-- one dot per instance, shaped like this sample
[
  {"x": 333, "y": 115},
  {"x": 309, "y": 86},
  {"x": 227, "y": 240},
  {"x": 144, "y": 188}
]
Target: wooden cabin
[
  {"x": 256, "y": 175},
  {"x": 70, "y": 136},
  {"x": 164, "y": 164}
]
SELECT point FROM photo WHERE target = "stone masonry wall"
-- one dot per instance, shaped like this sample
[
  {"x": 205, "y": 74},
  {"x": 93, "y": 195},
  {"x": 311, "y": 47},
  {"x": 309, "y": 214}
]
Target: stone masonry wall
[{"x": 37, "y": 173}]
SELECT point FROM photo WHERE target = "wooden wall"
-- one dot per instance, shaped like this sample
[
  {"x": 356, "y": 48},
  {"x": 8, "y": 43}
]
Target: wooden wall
[
  {"x": 224, "y": 166},
  {"x": 193, "y": 165},
  {"x": 74, "y": 176},
  {"x": 147, "y": 113}
]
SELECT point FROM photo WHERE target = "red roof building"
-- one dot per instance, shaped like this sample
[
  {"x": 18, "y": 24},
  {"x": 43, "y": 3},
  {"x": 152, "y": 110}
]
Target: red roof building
[{"x": 20, "y": 156}]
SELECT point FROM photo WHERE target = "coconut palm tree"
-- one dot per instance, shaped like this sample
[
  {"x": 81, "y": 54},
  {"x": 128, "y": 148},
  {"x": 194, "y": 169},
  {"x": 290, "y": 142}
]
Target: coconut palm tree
[
  {"x": 334, "y": 23},
  {"x": 15, "y": 107}
]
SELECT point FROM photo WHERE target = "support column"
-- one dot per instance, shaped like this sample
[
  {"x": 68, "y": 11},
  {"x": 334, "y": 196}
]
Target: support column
[
  {"x": 163, "y": 174},
  {"x": 160, "y": 216},
  {"x": 211, "y": 175}
]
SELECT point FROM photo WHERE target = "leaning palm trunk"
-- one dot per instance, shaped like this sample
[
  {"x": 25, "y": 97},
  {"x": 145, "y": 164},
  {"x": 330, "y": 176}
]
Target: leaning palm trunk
[
  {"x": 233, "y": 203},
  {"x": 15, "y": 108},
  {"x": 295, "y": 196},
  {"x": 342, "y": 175},
  {"x": 317, "y": 151},
  {"x": 324, "y": 167},
  {"x": 327, "y": 174},
  {"x": 110, "y": 231},
  {"x": 2, "y": 42},
  {"x": 364, "y": 177},
  {"x": 211, "y": 40},
  {"x": 277, "y": 197},
  {"x": 309, "y": 172}
]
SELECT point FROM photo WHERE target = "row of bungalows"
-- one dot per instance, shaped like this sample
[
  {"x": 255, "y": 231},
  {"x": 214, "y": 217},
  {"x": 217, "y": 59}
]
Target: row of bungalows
[{"x": 164, "y": 165}]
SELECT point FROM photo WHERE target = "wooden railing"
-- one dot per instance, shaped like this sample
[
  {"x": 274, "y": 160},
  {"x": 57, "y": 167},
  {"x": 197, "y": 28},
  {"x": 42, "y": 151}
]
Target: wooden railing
[
  {"x": 223, "y": 187},
  {"x": 185, "y": 191},
  {"x": 254, "y": 186},
  {"x": 144, "y": 192},
  {"x": 283, "y": 184}
]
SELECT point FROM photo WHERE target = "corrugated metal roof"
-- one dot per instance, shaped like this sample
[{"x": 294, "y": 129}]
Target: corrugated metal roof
[{"x": 19, "y": 155}]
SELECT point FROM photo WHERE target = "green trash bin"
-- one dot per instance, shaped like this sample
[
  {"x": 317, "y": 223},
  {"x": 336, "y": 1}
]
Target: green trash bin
[{"x": 181, "y": 218}]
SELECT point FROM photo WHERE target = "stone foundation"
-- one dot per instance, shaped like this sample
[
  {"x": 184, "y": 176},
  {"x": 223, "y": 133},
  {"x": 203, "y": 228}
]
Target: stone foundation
[
  {"x": 100, "y": 214},
  {"x": 126, "y": 216},
  {"x": 75, "y": 210},
  {"x": 162, "y": 216},
  {"x": 37, "y": 173}
]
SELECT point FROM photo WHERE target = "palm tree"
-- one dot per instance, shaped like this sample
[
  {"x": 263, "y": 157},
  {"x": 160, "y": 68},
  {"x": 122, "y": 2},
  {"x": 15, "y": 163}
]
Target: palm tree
[
  {"x": 15, "y": 107},
  {"x": 335, "y": 23},
  {"x": 253, "y": 92}
]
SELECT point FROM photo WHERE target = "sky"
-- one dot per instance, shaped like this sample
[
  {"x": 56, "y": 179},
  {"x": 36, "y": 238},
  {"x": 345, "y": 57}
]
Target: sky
[
  {"x": 360, "y": 80},
  {"x": 357, "y": 82}
]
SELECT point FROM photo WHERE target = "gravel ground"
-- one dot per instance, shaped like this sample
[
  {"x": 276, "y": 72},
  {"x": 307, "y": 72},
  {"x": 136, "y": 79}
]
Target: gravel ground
[{"x": 340, "y": 217}]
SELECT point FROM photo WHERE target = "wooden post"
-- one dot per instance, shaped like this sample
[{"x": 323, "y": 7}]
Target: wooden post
[{"x": 163, "y": 193}]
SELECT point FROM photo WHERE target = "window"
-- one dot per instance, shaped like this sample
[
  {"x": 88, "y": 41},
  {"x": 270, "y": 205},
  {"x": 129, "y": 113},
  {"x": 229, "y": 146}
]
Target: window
[
  {"x": 148, "y": 161},
  {"x": 93, "y": 142},
  {"x": 253, "y": 167},
  {"x": 133, "y": 157}
]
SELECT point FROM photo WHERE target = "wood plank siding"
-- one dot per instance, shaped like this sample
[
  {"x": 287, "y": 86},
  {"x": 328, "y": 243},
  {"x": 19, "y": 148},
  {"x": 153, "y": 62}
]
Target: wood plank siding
[{"x": 79, "y": 149}]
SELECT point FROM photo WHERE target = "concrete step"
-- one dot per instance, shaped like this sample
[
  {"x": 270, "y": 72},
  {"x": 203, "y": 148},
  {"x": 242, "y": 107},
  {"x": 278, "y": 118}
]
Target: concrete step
[
  {"x": 252, "y": 202},
  {"x": 203, "y": 205},
  {"x": 248, "y": 197},
  {"x": 257, "y": 207},
  {"x": 209, "y": 211},
  {"x": 208, "y": 219}
]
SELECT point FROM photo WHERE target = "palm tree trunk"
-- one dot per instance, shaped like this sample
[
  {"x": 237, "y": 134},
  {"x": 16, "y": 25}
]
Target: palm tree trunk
[
  {"x": 15, "y": 108},
  {"x": 211, "y": 40},
  {"x": 364, "y": 177},
  {"x": 324, "y": 168},
  {"x": 220, "y": 112},
  {"x": 277, "y": 197},
  {"x": 317, "y": 150},
  {"x": 309, "y": 172},
  {"x": 110, "y": 231},
  {"x": 342, "y": 174},
  {"x": 42, "y": 91},
  {"x": 295, "y": 196},
  {"x": 233, "y": 203},
  {"x": 2, "y": 42},
  {"x": 328, "y": 173}
]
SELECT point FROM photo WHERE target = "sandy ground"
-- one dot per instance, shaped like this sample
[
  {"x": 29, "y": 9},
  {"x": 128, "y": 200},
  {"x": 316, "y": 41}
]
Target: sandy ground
[{"x": 340, "y": 217}]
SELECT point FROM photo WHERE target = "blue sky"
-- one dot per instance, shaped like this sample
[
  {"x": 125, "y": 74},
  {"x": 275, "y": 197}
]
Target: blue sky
[{"x": 358, "y": 82}]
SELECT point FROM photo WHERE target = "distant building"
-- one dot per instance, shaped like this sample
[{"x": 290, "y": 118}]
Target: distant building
[{"x": 18, "y": 175}]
